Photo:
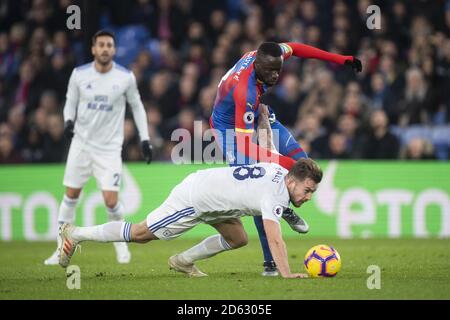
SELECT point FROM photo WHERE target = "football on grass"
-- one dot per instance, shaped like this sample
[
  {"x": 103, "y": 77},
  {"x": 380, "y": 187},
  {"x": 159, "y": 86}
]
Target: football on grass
[{"x": 322, "y": 261}]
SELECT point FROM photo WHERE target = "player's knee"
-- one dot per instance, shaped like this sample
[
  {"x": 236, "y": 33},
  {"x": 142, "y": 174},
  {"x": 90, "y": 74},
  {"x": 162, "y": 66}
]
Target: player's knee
[
  {"x": 141, "y": 234},
  {"x": 73, "y": 193},
  {"x": 238, "y": 242},
  {"x": 110, "y": 202}
]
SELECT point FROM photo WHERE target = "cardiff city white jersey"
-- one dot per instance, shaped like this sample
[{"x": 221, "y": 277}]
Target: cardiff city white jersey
[
  {"x": 259, "y": 189},
  {"x": 96, "y": 102}
]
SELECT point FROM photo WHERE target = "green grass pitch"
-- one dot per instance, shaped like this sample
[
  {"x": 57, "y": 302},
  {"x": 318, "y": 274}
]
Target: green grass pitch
[{"x": 410, "y": 269}]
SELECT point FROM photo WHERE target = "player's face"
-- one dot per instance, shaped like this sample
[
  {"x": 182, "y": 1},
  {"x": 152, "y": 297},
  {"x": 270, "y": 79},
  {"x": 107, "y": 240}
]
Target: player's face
[
  {"x": 268, "y": 69},
  {"x": 103, "y": 50},
  {"x": 301, "y": 191}
]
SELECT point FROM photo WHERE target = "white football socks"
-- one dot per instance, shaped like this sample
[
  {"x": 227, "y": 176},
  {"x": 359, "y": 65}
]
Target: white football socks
[
  {"x": 205, "y": 249},
  {"x": 66, "y": 212},
  {"x": 115, "y": 231},
  {"x": 116, "y": 213}
]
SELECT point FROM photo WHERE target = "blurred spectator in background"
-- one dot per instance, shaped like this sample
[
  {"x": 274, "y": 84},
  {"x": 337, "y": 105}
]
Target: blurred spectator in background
[
  {"x": 379, "y": 142},
  {"x": 380, "y": 95},
  {"x": 418, "y": 149},
  {"x": 7, "y": 152},
  {"x": 285, "y": 99},
  {"x": 168, "y": 22},
  {"x": 33, "y": 150},
  {"x": 348, "y": 126},
  {"x": 443, "y": 71},
  {"x": 54, "y": 145},
  {"x": 131, "y": 150},
  {"x": 323, "y": 99},
  {"x": 337, "y": 147},
  {"x": 419, "y": 101}
]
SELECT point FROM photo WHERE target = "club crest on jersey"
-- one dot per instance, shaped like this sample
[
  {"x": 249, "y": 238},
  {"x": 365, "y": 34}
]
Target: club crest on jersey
[
  {"x": 249, "y": 117},
  {"x": 277, "y": 211}
]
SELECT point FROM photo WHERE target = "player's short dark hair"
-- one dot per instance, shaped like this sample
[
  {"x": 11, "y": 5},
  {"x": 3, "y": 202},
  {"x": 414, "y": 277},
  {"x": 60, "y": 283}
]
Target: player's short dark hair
[
  {"x": 101, "y": 33},
  {"x": 272, "y": 49},
  {"x": 306, "y": 168}
]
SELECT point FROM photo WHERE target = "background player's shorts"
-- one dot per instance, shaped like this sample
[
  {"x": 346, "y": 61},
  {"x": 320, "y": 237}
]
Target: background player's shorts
[
  {"x": 82, "y": 164},
  {"x": 176, "y": 215}
]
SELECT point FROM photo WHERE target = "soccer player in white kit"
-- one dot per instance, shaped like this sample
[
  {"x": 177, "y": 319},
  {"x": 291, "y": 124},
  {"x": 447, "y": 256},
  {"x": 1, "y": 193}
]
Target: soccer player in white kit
[
  {"x": 219, "y": 197},
  {"x": 94, "y": 116}
]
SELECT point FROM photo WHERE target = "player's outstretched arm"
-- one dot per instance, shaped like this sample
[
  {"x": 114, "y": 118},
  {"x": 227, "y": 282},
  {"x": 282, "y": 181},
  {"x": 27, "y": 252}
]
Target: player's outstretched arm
[
  {"x": 305, "y": 51},
  {"x": 278, "y": 249}
]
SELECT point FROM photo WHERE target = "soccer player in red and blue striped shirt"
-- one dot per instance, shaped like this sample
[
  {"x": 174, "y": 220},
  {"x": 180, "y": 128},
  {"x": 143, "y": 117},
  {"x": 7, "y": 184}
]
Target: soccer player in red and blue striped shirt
[{"x": 235, "y": 114}]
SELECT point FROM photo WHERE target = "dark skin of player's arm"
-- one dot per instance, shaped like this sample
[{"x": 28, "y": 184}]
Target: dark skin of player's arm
[{"x": 264, "y": 131}]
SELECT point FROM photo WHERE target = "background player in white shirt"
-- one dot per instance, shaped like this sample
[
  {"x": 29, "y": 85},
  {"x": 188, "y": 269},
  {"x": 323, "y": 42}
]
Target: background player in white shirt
[
  {"x": 94, "y": 116},
  {"x": 264, "y": 189}
]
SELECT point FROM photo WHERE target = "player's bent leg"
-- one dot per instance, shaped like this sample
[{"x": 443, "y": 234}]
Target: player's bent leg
[
  {"x": 232, "y": 235},
  {"x": 111, "y": 198},
  {"x": 66, "y": 214},
  {"x": 73, "y": 193},
  {"x": 141, "y": 234},
  {"x": 233, "y": 232}
]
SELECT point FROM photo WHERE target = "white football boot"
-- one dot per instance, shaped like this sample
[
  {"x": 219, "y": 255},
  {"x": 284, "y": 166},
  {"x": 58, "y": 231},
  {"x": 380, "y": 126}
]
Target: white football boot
[
  {"x": 68, "y": 244},
  {"x": 53, "y": 260},
  {"x": 296, "y": 222},
  {"x": 190, "y": 269},
  {"x": 123, "y": 255}
]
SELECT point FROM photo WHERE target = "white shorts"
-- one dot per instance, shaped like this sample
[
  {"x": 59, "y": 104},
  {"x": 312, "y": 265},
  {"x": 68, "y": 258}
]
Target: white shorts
[
  {"x": 82, "y": 164},
  {"x": 177, "y": 214}
]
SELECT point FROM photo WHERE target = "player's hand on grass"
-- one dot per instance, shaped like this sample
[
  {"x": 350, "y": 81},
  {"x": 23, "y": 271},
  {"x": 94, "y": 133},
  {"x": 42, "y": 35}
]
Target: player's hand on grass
[
  {"x": 147, "y": 150},
  {"x": 296, "y": 275},
  {"x": 355, "y": 64},
  {"x": 68, "y": 129}
]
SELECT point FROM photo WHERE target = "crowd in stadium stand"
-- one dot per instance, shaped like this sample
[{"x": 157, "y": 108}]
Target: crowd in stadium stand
[{"x": 398, "y": 107}]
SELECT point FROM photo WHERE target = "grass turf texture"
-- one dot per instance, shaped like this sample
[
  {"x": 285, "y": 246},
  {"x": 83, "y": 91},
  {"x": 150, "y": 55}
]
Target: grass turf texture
[{"x": 410, "y": 269}]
